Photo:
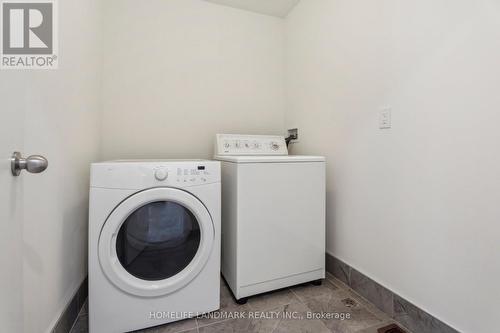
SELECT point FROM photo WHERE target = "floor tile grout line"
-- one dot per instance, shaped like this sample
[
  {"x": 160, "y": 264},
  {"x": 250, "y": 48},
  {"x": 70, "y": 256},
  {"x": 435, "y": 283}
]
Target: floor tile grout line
[
  {"x": 338, "y": 283},
  {"x": 308, "y": 308},
  {"x": 183, "y": 330},
  {"x": 196, "y": 322},
  {"x": 216, "y": 322},
  {"x": 263, "y": 310},
  {"x": 293, "y": 292},
  {"x": 277, "y": 324}
]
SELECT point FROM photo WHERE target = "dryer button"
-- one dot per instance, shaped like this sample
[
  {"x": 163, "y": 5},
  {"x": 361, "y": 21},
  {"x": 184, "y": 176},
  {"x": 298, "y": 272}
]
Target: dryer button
[{"x": 161, "y": 174}]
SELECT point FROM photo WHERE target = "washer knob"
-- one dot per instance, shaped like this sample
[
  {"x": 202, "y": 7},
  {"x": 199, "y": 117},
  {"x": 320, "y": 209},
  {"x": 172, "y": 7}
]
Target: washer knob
[
  {"x": 275, "y": 146},
  {"x": 161, "y": 174}
]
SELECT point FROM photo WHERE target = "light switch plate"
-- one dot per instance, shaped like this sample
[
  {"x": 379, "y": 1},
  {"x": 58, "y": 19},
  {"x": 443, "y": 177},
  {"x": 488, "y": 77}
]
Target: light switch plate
[{"x": 385, "y": 118}]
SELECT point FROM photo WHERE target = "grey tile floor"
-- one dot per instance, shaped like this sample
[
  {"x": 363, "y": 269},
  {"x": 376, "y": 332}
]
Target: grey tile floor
[{"x": 332, "y": 297}]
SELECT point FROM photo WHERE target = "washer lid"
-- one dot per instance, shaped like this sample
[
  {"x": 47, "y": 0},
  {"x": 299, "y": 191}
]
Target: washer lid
[{"x": 270, "y": 159}]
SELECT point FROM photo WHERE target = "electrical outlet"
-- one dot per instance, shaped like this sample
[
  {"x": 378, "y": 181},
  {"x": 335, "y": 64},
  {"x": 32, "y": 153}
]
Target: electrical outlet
[
  {"x": 385, "y": 118},
  {"x": 294, "y": 135}
]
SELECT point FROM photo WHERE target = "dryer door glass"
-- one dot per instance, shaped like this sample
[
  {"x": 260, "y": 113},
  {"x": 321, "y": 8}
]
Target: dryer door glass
[{"x": 158, "y": 240}]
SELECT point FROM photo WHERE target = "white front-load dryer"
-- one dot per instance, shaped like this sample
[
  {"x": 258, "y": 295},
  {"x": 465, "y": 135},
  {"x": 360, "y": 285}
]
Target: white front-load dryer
[{"x": 154, "y": 243}]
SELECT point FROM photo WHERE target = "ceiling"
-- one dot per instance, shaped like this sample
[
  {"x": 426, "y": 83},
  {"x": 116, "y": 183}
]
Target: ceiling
[{"x": 279, "y": 8}]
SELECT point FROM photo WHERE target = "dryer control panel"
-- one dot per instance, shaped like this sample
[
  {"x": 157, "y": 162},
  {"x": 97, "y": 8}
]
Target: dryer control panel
[
  {"x": 236, "y": 144},
  {"x": 141, "y": 174}
]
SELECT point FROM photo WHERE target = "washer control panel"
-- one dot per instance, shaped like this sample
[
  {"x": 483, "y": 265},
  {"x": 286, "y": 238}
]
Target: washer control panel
[{"x": 235, "y": 144}]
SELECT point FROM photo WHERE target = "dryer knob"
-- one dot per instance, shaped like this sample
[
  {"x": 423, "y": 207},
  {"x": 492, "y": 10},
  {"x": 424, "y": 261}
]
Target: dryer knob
[{"x": 161, "y": 174}]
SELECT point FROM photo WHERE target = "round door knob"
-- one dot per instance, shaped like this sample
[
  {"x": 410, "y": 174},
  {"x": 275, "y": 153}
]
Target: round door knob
[
  {"x": 32, "y": 164},
  {"x": 161, "y": 174}
]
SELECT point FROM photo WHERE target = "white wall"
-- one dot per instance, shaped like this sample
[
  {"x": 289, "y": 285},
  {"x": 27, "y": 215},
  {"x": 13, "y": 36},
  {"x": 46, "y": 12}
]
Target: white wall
[
  {"x": 62, "y": 122},
  {"x": 416, "y": 207},
  {"x": 177, "y": 72}
]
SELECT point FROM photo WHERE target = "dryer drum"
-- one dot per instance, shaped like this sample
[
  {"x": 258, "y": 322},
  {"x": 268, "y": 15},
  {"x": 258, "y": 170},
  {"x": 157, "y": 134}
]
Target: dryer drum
[{"x": 158, "y": 240}]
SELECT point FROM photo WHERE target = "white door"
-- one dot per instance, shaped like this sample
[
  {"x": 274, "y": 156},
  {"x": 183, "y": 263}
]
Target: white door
[
  {"x": 11, "y": 203},
  {"x": 43, "y": 217},
  {"x": 13, "y": 93}
]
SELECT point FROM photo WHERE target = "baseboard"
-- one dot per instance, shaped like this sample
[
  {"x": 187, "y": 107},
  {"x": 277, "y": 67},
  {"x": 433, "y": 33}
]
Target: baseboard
[
  {"x": 395, "y": 306},
  {"x": 70, "y": 313}
]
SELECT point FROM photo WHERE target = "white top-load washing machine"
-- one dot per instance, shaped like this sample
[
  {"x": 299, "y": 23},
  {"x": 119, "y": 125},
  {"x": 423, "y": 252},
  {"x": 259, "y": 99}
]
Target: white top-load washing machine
[
  {"x": 154, "y": 243},
  {"x": 273, "y": 214}
]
